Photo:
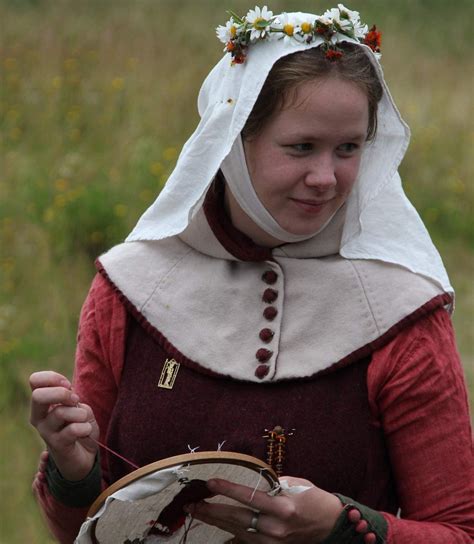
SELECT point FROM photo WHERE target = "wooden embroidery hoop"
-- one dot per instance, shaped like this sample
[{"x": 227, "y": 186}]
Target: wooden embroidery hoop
[{"x": 228, "y": 465}]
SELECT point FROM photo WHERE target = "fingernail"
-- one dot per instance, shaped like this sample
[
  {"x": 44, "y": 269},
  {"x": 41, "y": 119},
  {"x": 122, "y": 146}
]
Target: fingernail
[
  {"x": 74, "y": 398},
  {"x": 66, "y": 384}
]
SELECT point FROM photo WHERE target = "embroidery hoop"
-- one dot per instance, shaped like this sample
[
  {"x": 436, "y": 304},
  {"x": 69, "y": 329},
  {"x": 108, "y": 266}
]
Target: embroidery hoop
[{"x": 122, "y": 513}]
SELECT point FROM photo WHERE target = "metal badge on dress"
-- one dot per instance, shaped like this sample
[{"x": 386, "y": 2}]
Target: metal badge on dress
[{"x": 168, "y": 374}]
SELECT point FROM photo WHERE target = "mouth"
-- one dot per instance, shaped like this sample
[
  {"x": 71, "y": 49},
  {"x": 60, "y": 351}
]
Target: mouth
[{"x": 310, "y": 205}]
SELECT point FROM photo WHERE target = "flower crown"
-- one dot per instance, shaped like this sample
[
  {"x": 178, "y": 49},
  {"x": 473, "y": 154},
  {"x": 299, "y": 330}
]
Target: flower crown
[{"x": 260, "y": 25}]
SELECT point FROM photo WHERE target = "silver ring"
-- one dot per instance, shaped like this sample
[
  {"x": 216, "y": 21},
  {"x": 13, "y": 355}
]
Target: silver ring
[{"x": 253, "y": 523}]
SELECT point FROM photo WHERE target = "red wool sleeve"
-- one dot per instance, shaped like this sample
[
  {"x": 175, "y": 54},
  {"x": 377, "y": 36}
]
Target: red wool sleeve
[
  {"x": 98, "y": 366},
  {"x": 416, "y": 393}
]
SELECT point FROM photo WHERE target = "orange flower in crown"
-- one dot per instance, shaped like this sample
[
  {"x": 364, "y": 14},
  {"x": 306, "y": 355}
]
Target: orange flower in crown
[{"x": 373, "y": 39}]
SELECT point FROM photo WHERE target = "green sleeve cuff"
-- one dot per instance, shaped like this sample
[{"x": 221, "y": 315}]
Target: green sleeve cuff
[
  {"x": 76, "y": 494},
  {"x": 344, "y": 531}
]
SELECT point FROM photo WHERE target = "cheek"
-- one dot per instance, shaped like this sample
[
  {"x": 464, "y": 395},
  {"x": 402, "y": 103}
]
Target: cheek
[
  {"x": 270, "y": 176},
  {"x": 347, "y": 174},
  {"x": 259, "y": 166}
]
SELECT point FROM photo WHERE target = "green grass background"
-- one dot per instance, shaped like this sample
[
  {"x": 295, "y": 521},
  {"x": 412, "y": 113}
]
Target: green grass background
[{"x": 97, "y": 98}]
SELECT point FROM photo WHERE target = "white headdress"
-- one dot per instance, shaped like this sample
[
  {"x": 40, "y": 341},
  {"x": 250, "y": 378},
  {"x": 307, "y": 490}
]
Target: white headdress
[{"x": 381, "y": 223}]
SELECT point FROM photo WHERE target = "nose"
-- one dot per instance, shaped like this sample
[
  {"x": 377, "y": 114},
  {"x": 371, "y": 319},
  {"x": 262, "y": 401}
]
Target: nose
[{"x": 321, "y": 172}]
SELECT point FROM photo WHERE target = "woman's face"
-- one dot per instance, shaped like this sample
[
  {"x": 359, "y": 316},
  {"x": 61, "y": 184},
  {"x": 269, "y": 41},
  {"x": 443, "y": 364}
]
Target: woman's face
[{"x": 305, "y": 160}]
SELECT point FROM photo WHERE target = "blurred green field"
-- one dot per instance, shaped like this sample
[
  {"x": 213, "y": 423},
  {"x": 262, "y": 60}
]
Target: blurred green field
[{"x": 96, "y": 99}]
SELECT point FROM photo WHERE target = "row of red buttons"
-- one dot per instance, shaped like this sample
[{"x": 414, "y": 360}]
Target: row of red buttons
[{"x": 269, "y": 296}]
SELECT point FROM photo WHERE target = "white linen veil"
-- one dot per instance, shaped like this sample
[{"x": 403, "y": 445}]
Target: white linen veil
[{"x": 381, "y": 224}]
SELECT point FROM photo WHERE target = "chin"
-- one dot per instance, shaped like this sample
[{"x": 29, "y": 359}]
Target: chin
[{"x": 305, "y": 230}]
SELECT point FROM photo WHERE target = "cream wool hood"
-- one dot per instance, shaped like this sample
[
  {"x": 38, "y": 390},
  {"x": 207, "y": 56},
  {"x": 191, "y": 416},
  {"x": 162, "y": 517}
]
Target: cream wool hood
[
  {"x": 210, "y": 305},
  {"x": 338, "y": 292}
]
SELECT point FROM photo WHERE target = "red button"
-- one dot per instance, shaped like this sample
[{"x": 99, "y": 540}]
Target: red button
[
  {"x": 266, "y": 335},
  {"x": 270, "y": 313},
  {"x": 269, "y": 295},
  {"x": 269, "y": 277},
  {"x": 263, "y": 355},
  {"x": 262, "y": 371}
]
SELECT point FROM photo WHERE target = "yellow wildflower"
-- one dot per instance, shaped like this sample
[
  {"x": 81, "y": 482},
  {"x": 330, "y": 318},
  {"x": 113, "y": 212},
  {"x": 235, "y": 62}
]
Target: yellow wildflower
[
  {"x": 117, "y": 84},
  {"x": 170, "y": 154},
  {"x": 120, "y": 210}
]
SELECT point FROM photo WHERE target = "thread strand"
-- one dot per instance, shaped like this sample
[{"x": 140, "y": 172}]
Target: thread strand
[{"x": 114, "y": 453}]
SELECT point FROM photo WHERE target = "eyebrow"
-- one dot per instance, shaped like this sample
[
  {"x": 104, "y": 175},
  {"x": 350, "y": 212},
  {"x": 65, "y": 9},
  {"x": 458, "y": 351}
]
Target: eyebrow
[
  {"x": 307, "y": 137},
  {"x": 359, "y": 136}
]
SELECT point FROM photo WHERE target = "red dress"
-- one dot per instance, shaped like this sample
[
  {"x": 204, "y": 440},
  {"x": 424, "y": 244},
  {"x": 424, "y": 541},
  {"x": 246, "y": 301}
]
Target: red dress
[{"x": 416, "y": 394}]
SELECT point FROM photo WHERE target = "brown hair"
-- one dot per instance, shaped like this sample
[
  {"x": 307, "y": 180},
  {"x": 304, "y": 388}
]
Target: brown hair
[{"x": 293, "y": 70}]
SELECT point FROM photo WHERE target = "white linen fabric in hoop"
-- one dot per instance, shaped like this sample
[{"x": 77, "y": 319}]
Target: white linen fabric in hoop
[{"x": 381, "y": 223}]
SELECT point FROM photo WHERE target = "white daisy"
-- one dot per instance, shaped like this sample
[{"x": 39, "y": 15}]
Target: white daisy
[
  {"x": 257, "y": 18},
  {"x": 360, "y": 30},
  {"x": 347, "y": 20},
  {"x": 354, "y": 16},
  {"x": 331, "y": 14},
  {"x": 342, "y": 22},
  {"x": 304, "y": 30},
  {"x": 227, "y": 32},
  {"x": 287, "y": 24},
  {"x": 325, "y": 20}
]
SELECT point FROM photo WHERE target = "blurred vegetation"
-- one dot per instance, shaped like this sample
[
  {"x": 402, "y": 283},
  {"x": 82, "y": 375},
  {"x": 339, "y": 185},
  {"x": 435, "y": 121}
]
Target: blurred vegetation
[{"x": 97, "y": 98}]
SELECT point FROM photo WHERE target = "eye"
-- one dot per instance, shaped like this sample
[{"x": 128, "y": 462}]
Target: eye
[
  {"x": 348, "y": 148},
  {"x": 301, "y": 148}
]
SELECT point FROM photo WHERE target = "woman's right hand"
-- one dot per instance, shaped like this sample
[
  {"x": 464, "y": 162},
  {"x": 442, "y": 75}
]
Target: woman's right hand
[{"x": 66, "y": 425}]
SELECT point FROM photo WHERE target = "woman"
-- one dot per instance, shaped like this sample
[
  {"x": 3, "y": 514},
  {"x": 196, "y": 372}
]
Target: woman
[{"x": 283, "y": 268}]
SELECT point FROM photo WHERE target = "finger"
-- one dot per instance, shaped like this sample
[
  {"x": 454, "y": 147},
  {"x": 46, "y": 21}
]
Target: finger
[
  {"x": 235, "y": 516},
  {"x": 223, "y": 518},
  {"x": 237, "y": 519},
  {"x": 36, "y": 486},
  {"x": 48, "y": 378},
  {"x": 234, "y": 520},
  {"x": 59, "y": 417},
  {"x": 89, "y": 412},
  {"x": 82, "y": 427},
  {"x": 69, "y": 435},
  {"x": 43, "y": 461},
  {"x": 75, "y": 431},
  {"x": 43, "y": 397},
  {"x": 44, "y": 456},
  {"x": 247, "y": 495},
  {"x": 292, "y": 481}
]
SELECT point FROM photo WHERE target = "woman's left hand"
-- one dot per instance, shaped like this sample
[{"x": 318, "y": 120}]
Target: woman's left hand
[{"x": 297, "y": 518}]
